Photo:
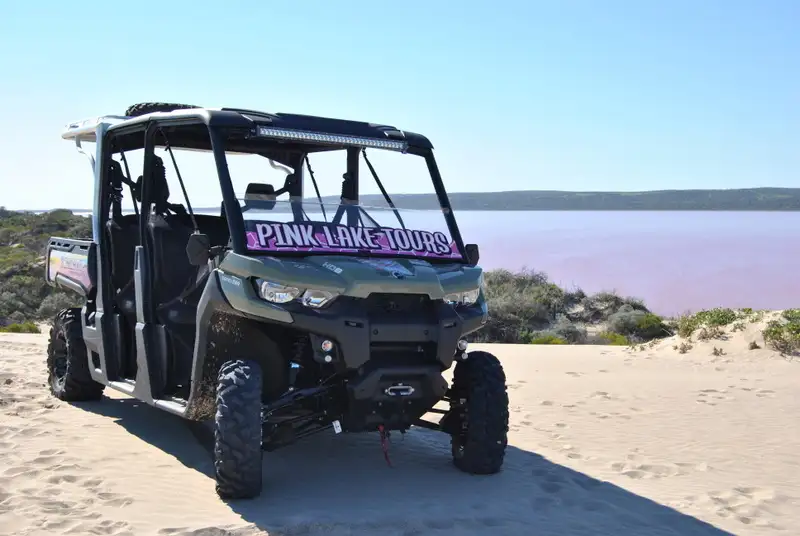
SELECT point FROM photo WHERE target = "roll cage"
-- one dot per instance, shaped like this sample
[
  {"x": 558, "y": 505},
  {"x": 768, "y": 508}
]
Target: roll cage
[{"x": 284, "y": 138}]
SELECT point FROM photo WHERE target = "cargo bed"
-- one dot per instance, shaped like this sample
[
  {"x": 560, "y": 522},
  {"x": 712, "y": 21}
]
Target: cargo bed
[{"x": 70, "y": 264}]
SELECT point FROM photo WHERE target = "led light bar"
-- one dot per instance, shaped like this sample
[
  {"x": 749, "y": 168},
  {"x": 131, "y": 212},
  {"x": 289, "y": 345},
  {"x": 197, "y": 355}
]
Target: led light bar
[{"x": 338, "y": 139}]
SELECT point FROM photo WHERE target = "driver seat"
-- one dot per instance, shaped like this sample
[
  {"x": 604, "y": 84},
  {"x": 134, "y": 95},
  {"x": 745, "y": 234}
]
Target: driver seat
[
  {"x": 167, "y": 231},
  {"x": 169, "y": 227}
]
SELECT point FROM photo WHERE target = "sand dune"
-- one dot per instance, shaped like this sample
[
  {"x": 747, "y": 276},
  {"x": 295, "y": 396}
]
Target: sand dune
[{"x": 604, "y": 440}]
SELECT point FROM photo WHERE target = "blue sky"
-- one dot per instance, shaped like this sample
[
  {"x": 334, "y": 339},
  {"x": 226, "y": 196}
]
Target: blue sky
[{"x": 569, "y": 94}]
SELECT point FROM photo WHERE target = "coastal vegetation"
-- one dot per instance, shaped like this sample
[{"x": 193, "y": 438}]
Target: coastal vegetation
[{"x": 25, "y": 297}]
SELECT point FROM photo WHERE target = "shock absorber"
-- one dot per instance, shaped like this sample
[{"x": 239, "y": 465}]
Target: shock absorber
[{"x": 300, "y": 349}]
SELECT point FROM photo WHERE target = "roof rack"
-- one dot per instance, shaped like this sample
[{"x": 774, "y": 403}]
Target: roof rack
[
  {"x": 267, "y": 125},
  {"x": 86, "y": 130}
]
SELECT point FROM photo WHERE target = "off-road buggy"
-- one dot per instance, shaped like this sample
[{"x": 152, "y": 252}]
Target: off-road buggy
[{"x": 272, "y": 323}]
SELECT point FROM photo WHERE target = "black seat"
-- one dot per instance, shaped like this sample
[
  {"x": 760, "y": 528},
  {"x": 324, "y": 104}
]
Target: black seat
[
  {"x": 168, "y": 231},
  {"x": 123, "y": 237},
  {"x": 177, "y": 284}
]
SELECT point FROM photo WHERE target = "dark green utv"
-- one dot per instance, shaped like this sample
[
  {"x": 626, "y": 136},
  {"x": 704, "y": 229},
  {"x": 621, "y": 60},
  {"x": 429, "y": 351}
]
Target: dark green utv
[{"x": 273, "y": 318}]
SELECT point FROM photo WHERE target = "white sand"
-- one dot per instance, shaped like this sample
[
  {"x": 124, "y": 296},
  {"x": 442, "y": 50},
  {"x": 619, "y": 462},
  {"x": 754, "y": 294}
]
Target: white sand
[{"x": 603, "y": 441}]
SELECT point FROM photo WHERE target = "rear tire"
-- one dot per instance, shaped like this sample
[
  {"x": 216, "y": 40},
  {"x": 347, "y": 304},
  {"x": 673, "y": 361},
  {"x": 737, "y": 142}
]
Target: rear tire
[
  {"x": 68, "y": 362},
  {"x": 480, "y": 401},
  {"x": 237, "y": 430}
]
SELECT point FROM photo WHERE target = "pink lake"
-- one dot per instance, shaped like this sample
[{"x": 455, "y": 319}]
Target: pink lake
[{"x": 674, "y": 261}]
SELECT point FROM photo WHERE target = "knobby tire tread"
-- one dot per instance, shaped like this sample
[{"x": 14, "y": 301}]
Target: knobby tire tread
[
  {"x": 482, "y": 382},
  {"x": 237, "y": 430},
  {"x": 66, "y": 341}
]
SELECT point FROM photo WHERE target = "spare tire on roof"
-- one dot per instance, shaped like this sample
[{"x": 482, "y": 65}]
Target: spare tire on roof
[{"x": 144, "y": 108}]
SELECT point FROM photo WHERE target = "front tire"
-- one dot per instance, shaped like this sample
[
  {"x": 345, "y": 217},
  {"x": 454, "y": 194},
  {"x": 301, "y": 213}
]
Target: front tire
[
  {"x": 237, "y": 430},
  {"x": 480, "y": 401},
  {"x": 68, "y": 362}
]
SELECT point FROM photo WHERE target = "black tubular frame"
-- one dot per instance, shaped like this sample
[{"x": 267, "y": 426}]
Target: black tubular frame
[
  {"x": 233, "y": 211},
  {"x": 444, "y": 203},
  {"x": 230, "y": 129}
]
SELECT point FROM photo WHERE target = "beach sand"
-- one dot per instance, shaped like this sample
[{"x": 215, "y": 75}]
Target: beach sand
[{"x": 603, "y": 440}]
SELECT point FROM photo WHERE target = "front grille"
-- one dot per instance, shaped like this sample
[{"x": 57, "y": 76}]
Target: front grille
[
  {"x": 401, "y": 329},
  {"x": 417, "y": 306},
  {"x": 402, "y": 353}
]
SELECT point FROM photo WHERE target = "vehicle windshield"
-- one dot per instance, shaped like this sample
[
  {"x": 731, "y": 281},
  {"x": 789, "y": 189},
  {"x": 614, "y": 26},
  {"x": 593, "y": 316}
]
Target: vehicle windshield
[{"x": 397, "y": 214}]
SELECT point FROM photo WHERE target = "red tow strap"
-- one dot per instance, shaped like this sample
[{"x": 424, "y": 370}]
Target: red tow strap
[{"x": 385, "y": 444}]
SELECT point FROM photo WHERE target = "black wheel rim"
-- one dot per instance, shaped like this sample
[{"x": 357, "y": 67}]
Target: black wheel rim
[
  {"x": 59, "y": 366},
  {"x": 458, "y": 447},
  {"x": 460, "y": 440}
]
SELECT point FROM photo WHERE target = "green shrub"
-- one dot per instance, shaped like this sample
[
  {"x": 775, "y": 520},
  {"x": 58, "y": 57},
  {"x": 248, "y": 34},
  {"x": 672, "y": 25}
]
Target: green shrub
[
  {"x": 510, "y": 317},
  {"x": 625, "y": 321},
  {"x": 651, "y": 326},
  {"x": 24, "y": 327},
  {"x": 573, "y": 333},
  {"x": 519, "y": 303},
  {"x": 54, "y": 303},
  {"x": 707, "y": 333},
  {"x": 599, "y": 307},
  {"x": 573, "y": 297},
  {"x": 636, "y": 323},
  {"x": 524, "y": 304},
  {"x": 782, "y": 336},
  {"x": 618, "y": 301},
  {"x": 792, "y": 315},
  {"x": 547, "y": 338},
  {"x": 686, "y": 325},
  {"x": 614, "y": 339},
  {"x": 717, "y": 317}
]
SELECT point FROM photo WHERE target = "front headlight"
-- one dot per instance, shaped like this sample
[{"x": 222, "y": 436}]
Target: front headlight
[
  {"x": 317, "y": 298},
  {"x": 278, "y": 293},
  {"x": 463, "y": 298},
  {"x": 275, "y": 292}
]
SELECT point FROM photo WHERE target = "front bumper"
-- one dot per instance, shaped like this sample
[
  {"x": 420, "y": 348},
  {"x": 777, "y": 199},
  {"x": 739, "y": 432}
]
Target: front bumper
[
  {"x": 364, "y": 329},
  {"x": 394, "y": 397}
]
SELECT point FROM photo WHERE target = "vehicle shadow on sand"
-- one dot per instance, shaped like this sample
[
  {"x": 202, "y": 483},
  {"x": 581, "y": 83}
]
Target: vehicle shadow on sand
[{"x": 336, "y": 484}]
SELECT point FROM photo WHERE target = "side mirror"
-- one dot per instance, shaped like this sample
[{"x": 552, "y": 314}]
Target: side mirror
[
  {"x": 198, "y": 249},
  {"x": 473, "y": 253}
]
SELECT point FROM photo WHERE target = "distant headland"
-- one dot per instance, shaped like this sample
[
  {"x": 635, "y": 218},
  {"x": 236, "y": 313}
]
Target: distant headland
[
  {"x": 745, "y": 199},
  {"x": 738, "y": 199}
]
